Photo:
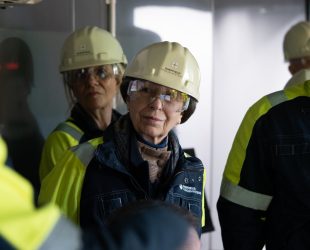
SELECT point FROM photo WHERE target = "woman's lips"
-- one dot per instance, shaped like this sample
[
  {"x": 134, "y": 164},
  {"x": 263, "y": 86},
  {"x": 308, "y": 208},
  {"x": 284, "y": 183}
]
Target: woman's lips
[
  {"x": 152, "y": 119},
  {"x": 93, "y": 93}
]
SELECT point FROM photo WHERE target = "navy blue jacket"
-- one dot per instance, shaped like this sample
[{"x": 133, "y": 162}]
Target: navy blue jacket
[
  {"x": 266, "y": 183},
  {"x": 118, "y": 175}
]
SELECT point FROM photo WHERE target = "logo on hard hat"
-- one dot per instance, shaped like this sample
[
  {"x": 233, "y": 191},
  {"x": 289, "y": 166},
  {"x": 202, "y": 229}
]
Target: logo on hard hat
[
  {"x": 174, "y": 65},
  {"x": 83, "y": 46},
  {"x": 173, "y": 69},
  {"x": 83, "y": 50}
]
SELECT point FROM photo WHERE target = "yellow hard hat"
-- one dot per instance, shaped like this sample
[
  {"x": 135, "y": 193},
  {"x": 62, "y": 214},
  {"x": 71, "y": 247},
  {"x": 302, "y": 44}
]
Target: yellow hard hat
[
  {"x": 297, "y": 41},
  {"x": 168, "y": 64},
  {"x": 88, "y": 47}
]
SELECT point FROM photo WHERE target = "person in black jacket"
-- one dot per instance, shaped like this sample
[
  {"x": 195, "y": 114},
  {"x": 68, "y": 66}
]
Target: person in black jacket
[
  {"x": 23, "y": 225},
  {"x": 264, "y": 192},
  {"x": 139, "y": 156}
]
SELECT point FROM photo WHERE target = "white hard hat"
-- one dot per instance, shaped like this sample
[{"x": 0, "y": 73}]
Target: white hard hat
[
  {"x": 297, "y": 41},
  {"x": 88, "y": 47},
  {"x": 168, "y": 64}
]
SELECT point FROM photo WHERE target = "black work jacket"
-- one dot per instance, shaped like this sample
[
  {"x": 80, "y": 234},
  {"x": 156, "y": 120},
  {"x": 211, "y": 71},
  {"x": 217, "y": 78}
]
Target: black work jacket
[
  {"x": 118, "y": 175},
  {"x": 270, "y": 204}
]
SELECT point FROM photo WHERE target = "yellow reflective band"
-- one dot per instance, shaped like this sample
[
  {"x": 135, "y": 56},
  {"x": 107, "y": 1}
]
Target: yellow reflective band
[
  {"x": 238, "y": 151},
  {"x": 244, "y": 197},
  {"x": 203, "y": 220}
]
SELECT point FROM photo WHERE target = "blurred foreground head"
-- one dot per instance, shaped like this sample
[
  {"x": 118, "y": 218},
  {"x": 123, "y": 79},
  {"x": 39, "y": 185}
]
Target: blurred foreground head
[{"x": 153, "y": 225}]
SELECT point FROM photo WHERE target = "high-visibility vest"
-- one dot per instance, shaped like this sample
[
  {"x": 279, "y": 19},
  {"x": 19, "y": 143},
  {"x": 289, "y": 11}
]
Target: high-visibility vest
[
  {"x": 64, "y": 136},
  {"x": 22, "y": 225}
]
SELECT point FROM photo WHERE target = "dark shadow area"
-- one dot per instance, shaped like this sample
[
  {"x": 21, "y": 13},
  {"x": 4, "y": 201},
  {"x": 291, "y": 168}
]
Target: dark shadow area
[{"x": 19, "y": 127}]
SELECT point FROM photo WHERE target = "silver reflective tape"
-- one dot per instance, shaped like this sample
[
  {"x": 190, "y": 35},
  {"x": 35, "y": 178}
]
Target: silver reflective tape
[
  {"x": 84, "y": 152},
  {"x": 244, "y": 197},
  {"x": 65, "y": 235},
  {"x": 69, "y": 130},
  {"x": 277, "y": 97}
]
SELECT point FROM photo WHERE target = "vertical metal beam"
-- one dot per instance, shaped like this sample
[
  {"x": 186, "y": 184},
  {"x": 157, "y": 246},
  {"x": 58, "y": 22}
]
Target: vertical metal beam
[
  {"x": 111, "y": 20},
  {"x": 73, "y": 15},
  {"x": 307, "y": 5},
  {"x": 111, "y": 15}
]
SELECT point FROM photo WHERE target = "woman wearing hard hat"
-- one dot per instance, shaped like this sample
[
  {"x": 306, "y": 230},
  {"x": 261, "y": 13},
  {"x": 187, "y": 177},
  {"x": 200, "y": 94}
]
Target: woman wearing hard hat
[
  {"x": 92, "y": 64},
  {"x": 139, "y": 156},
  {"x": 24, "y": 226}
]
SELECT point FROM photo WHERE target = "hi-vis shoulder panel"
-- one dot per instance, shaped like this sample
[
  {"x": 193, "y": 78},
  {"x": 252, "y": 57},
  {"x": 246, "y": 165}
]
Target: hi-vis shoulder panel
[
  {"x": 63, "y": 184},
  {"x": 64, "y": 136},
  {"x": 230, "y": 188}
]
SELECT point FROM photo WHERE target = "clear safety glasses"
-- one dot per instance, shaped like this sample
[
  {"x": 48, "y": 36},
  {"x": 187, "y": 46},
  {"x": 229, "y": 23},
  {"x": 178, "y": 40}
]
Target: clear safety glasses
[
  {"x": 99, "y": 73},
  {"x": 172, "y": 100}
]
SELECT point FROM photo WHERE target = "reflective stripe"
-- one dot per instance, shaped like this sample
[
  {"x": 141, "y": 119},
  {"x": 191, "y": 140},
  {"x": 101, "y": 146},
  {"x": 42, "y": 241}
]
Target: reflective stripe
[
  {"x": 187, "y": 155},
  {"x": 74, "y": 132},
  {"x": 203, "y": 217},
  {"x": 244, "y": 197},
  {"x": 277, "y": 98},
  {"x": 203, "y": 209},
  {"x": 64, "y": 235},
  {"x": 85, "y": 151}
]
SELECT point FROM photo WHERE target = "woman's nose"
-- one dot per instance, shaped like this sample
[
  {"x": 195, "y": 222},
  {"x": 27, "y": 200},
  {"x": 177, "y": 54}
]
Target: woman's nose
[
  {"x": 92, "y": 79},
  {"x": 156, "y": 103}
]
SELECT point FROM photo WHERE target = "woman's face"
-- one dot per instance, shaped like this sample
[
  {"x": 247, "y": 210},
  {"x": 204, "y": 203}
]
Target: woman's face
[
  {"x": 154, "y": 109},
  {"x": 95, "y": 87}
]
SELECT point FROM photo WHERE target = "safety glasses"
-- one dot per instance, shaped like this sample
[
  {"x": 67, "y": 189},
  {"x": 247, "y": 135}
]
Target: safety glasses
[
  {"x": 99, "y": 73},
  {"x": 172, "y": 100}
]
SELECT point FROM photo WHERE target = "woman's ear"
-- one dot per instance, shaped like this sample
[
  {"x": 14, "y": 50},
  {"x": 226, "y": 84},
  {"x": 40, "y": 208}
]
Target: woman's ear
[
  {"x": 291, "y": 69},
  {"x": 118, "y": 81},
  {"x": 180, "y": 119},
  {"x": 73, "y": 91},
  {"x": 127, "y": 101}
]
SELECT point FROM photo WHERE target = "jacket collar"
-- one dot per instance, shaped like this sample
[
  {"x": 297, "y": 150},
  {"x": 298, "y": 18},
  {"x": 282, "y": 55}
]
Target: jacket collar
[
  {"x": 86, "y": 123},
  {"x": 120, "y": 150}
]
